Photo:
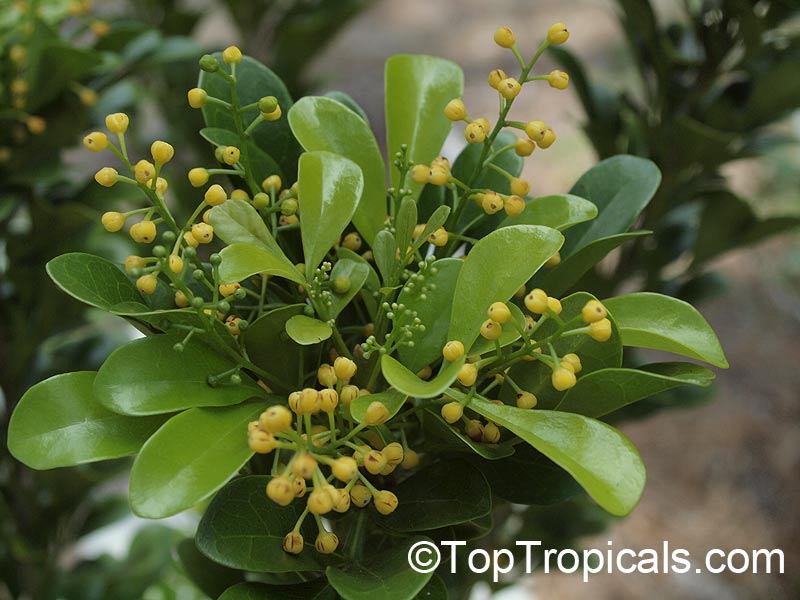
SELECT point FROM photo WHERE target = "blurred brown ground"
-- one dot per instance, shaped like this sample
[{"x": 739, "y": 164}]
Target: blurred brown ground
[{"x": 724, "y": 475}]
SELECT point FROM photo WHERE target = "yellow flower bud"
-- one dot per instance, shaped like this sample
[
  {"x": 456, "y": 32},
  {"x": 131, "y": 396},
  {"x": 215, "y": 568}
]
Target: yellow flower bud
[
  {"x": 344, "y": 368},
  {"x": 557, "y": 34},
  {"x": 526, "y": 400},
  {"x": 536, "y": 130},
  {"x": 133, "y": 262},
  {"x": 453, "y": 350},
  {"x": 352, "y": 241},
  {"x": 467, "y": 375},
  {"x": 509, "y": 88},
  {"x": 504, "y": 37},
  {"x": 495, "y": 77},
  {"x": 452, "y": 411},
  {"x": 524, "y": 147},
  {"x": 439, "y": 237},
  {"x": 175, "y": 263},
  {"x": 536, "y": 301},
  {"x": 112, "y": 221},
  {"x": 563, "y": 379},
  {"x": 197, "y": 97},
  {"x": 143, "y": 232},
  {"x": 198, "y": 177},
  {"x": 376, "y": 413},
  {"x": 514, "y": 206},
  {"x": 117, "y": 123},
  {"x": 230, "y": 155},
  {"x": 162, "y": 152},
  {"x": 272, "y": 183},
  {"x": 558, "y": 79},
  {"x": 491, "y": 203},
  {"x": 326, "y": 543},
  {"x": 600, "y": 331},
  {"x": 203, "y": 233},
  {"x": 232, "y": 55},
  {"x": 548, "y": 139},
  {"x": 455, "y": 110},
  {"x": 96, "y": 141},
  {"x": 385, "y": 502},
  {"x": 474, "y": 133},
  {"x": 146, "y": 284},
  {"x": 143, "y": 171},
  {"x": 520, "y": 187},
  {"x": 215, "y": 195},
  {"x": 593, "y": 311},
  {"x": 553, "y": 261},
  {"x": 190, "y": 240}
]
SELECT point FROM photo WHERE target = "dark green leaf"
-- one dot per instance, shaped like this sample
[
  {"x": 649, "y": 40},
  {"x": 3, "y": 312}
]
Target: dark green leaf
[
  {"x": 212, "y": 579},
  {"x": 455, "y": 441}
]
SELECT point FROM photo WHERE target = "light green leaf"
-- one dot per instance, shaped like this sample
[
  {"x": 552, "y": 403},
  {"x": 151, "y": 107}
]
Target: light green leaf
[
  {"x": 648, "y": 320},
  {"x": 357, "y": 273},
  {"x": 236, "y": 221},
  {"x": 494, "y": 270},
  {"x": 58, "y": 423},
  {"x": 600, "y": 458},
  {"x": 96, "y": 281},
  {"x": 190, "y": 458},
  {"x": 405, "y": 222},
  {"x": 560, "y": 211},
  {"x": 400, "y": 378},
  {"x": 604, "y": 391},
  {"x": 439, "y": 495},
  {"x": 417, "y": 88},
  {"x": 308, "y": 330},
  {"x": 146, "y": 376},
  {"x": 243, "y": 529},
  {"x": 384, "y": 249},
  {"x": 620, "y": 187},
  {"x": 321, "y": 123},
  {"x": 330, "y": 187},
  {"x": 383, "y": 575},
  {"x": 392, "y": 400},
  {"x": 240, "y": 261},
  {"x": 560, "y": 279}
]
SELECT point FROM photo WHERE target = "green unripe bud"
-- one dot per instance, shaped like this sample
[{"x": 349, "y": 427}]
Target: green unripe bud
[
  {"x": 288, "y": 207},
  {"x": 268, "y": 104},
  {"x": 341, "y": 285},
  {"x": 198, "y": 302},
  {"x": 209, "y": 64}
]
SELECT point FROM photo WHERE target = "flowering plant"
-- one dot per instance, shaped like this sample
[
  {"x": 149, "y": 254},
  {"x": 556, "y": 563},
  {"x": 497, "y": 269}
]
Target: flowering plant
[{"x": 335, "y": 362}]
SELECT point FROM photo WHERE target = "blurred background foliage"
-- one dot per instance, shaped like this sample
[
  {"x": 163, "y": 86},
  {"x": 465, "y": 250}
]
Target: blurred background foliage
[{"x": 711, "y": 85}]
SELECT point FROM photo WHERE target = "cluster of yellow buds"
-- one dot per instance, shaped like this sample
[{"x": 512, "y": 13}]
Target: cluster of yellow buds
[
  {"x": 436, "y": 173},
  {"x": 313, "y": 474}
]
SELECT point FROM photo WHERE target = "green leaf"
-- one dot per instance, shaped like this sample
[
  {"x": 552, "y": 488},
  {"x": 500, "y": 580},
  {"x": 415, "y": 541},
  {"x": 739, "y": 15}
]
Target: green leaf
[
  {"x": 384, "y": 249},
  {"x": 648, "y": 320},
  {"x": 564, "y": 276},
  {"x": 261, "y": 164},
  {"x": 243, "y": 529},
  {"x": 270, "y": 347},
  {"x": 405, "y": 222},
  {"x": 439, "y": 495},
  {"x": 349, "y": 102},
  {"x": 620, "y": 187},
  {"x": 212, "y": 578},
  {"x": 254, "y": 81},
  {"x": 454, "y": 441},
  {"x": 600, "y": 458},
  {"x": 95, "y": 281},
  {"x": 490, "y": 274},
  {"x": 433, "y": 312},
  {"x": 435, "y": 589},
  {"x": 330, "y": 187},
  {"x": 535, "y": 377},
  {"x": 383, "y": 575},
  {"x": 357, "y": 272},
  {"x": 190, "y": 458},
  {"x": 417, "y": 88},
  {"x": 146, "y": 376},
  {"x": 58, "y": 423},
  {"x": 604, "y": 391},
  {"x": 560, "y": 212},
  {"x": 312, "y": 590},
  {"x": 46, "y": 83},
  {"x": 436, "y": 220},
  {"x": 321, "y": 123},
  {"x": 528, "y": 477},
  {"x": 400, "y": 378},
  {"x": 236, "y": 221},
  {"x": 240, "y": 261},
  {"x": 392, "y": 400},
  {"x": 307, "y": 330}
]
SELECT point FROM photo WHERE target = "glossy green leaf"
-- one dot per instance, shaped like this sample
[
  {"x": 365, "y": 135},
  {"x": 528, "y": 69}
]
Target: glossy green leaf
[
  {"x": 357, "y": 273},
  {"x": 261, "y": 164},
  {"x": 528, "y": 477},
  {"x": 494, "y": 270},
  {"x": 147, "y": 376},
  {"x": 437, "y": 219},
  {"x": 236, "y": 221},
  {"x": 312, "y": 590},
  {"x": 349, "y": 102},
  {"x": 433, "y": 312},
  {"x": 321, "y": 123},
  {"x": 384, "y": 249},
  {"x": 385, "y": 575},
  {"x": 564, "y": 276},
  {"x": 58, "y": 423},
  {"x": 648, "y": 320},
  {"x": 439, "y": 495},
  {"x": 435, "y": 589},
  {"x": 243, "y": 529},
  {"x": 254, "y": 81},
  {"x": 620, "y": 187},
  {"x": 600, "y": 458},
  {"x": 270, "y": 347},
  {"x": 405, "y": 222},
  {"x": 392, "y": 400},
  {"x": 190, "y": 458},
  {"x": 535, "y": 377},
  {"x": 452, "y": 440},
  {"x": 560, "y": 211},
  {"x": 240, "y": 261},
  {"x": 604, "y": 391},
  {"x": 400, "y": 378},
  {"x": 96, "y": 281},
  {"x": 417, "y": 88},
  {"x": 212, "y": 578},
  {"x": 308, "y": 330},
  {"x": 330, "y": 187}
]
